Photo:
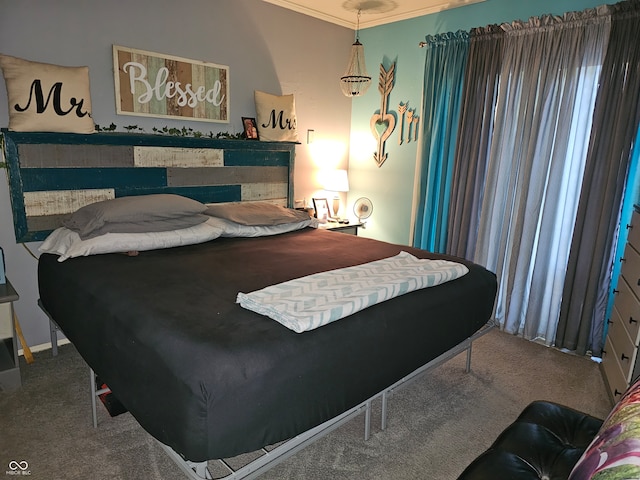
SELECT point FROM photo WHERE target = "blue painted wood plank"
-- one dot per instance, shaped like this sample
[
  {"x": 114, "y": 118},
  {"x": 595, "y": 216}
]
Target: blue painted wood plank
[
  {"x": 264, "y": 158},
  {"x": 15, "y": 188},
  {"x": 43, "y": 179}
]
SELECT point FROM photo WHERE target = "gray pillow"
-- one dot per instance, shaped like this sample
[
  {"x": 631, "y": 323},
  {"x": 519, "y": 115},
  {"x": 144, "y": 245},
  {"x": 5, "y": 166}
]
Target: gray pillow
[
  {"x": 256, "y": 213},
  {"x": 150, "y": 226},
  {"x": 136, "y": 214}
]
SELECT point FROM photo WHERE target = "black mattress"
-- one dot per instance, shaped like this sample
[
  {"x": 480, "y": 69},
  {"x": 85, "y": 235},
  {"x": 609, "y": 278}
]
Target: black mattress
[{"x": 213, "y": 380}]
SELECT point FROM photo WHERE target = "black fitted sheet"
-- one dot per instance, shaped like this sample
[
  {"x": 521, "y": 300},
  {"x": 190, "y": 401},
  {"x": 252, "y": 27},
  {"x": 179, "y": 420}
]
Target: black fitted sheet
[{"x": 213, "y": 380}]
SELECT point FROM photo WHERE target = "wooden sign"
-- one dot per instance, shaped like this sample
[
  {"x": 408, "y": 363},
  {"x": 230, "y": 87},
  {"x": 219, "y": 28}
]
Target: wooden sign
[
  {"x": 150, "y": 84},
  {"x": 382, "y": 124}
]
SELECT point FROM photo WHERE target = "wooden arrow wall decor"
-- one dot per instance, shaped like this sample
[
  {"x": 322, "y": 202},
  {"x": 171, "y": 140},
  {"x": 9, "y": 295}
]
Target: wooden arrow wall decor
[{"x": 382, "y": 124}]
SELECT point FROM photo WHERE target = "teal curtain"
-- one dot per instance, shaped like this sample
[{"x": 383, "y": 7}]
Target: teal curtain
[{"x": 446, "y": 57}]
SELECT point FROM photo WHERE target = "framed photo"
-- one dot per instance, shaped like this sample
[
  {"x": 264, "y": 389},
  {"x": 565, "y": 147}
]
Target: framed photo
[
  {"x": 250, "y": 128},
  {"x": 321, "y": 206}
]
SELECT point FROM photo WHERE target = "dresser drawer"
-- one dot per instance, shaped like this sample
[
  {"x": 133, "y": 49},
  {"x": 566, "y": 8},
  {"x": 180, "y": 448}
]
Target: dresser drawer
[
  {"x": 615, "y": 378},
  {"x": 625, "y": 349},
  {"x": 634, "y": 231},
  {"x": 631, "y": 268},
  {"x": 628, "y": 307}
]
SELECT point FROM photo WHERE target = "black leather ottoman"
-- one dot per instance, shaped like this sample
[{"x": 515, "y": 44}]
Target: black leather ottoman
[{"x": 545, "y": 442}]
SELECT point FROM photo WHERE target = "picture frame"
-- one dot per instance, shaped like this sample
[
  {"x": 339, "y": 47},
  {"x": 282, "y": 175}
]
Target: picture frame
[
  {"x": 321, "y": 206},
  {"x": 250, "y": 127},
  {"x": 198, "y": 91}
]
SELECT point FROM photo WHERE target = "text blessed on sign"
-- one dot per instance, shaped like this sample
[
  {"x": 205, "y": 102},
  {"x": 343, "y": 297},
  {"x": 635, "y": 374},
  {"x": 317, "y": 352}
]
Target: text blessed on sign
[{"x": 154, "y": 85}]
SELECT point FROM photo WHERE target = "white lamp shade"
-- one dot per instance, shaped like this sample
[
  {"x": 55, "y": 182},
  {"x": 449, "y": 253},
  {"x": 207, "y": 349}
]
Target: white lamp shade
[{"x": 336, "y": 181}]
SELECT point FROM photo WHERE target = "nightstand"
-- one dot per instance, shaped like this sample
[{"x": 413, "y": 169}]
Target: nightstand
[
  {"x": 348, "y": 228},
  {"x": 9, "y": 367}
]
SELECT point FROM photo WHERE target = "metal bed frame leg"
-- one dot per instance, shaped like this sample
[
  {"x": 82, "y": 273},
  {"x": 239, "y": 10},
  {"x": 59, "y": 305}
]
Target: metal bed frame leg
[
  {"x": 383, "y": 424},
  {"x": 367, "y": 421},
  {"x": 465, "y": 346},
  {"x": 53, "y": 330},
  {"x": 95, "y": 394},
  {"x": 92, "y": 385},
  {"x": 200, "y": 469}
]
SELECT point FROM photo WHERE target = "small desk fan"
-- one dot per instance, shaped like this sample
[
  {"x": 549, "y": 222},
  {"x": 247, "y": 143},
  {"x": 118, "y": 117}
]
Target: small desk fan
[{"x": 362, "y": 208}]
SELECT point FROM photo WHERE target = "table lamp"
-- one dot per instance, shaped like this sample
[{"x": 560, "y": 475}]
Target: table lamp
[{"x": 336, "y": 181}]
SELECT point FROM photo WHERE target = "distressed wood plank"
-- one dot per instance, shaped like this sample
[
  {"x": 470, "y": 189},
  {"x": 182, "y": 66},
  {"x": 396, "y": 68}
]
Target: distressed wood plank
[
  {"x": 156, "y": 106},
  {"x": 39, "y": 204},
  {"x": 47, "y": 222},
  {"x": 177, "y": 157},
  {"x": 226, "y": 175},
  {"x": 124, "y": 92},
  {"x": 51, "y": 155},
  {"x": 263, "y": 191},
  {"x": 199, "y": 79},
  {"x": 139, "y": 88},
  {"x": 184, "y": 77}
]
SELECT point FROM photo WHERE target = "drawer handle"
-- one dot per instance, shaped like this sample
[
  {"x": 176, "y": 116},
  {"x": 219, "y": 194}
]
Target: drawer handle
[
  {"x": 622, "y": 259},
  {"x": 624, "y": 357},
  {"x": 632, "y": 320},
  {"x": 604, "y": 352},
  {"x": 616, "y": 393},
  {"x": 615, "y": 291},
  {"x": 609, "y": 321}
]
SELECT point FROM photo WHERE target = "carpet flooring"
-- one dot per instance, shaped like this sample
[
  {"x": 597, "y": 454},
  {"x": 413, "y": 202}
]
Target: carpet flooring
[{"x": 436, "y": 425}]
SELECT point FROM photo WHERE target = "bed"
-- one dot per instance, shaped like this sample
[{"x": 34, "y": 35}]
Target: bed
[{"x": 210, "y": 379}]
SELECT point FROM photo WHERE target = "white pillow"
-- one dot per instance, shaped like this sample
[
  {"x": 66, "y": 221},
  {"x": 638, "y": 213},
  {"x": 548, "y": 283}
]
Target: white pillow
[
  {"x": 67, "y": 89},
  {"x": 277, "y": 120},
  {"x": 67, "y": 243}
]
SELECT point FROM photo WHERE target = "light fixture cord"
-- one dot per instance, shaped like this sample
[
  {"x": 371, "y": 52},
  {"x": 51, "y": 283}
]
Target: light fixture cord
[{"x": 358, "y": 26}]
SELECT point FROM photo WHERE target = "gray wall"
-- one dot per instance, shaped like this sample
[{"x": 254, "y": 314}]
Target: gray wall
[{"x": 266, "y": 48}]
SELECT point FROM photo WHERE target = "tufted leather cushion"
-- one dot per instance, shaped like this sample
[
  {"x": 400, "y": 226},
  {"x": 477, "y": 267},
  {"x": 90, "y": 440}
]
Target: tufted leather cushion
[{"x": 545, "y": 442}]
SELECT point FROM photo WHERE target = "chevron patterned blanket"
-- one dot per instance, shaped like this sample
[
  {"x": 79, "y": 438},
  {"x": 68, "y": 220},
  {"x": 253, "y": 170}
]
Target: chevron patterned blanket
[{"x": 310, "y": 302}]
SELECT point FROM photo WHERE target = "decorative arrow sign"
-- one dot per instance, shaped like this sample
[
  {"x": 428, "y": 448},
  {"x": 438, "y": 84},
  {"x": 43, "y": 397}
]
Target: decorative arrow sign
[{"x": 382, "y": 124}]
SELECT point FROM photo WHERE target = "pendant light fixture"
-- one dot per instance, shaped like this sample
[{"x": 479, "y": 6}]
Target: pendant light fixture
[{"x": 356, "y": 81}]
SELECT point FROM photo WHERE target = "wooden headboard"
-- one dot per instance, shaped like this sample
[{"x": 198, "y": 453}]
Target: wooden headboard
[{"x": 53, "y": 174}]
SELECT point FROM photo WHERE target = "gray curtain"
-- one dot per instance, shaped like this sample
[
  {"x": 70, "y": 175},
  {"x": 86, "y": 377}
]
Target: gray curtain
[
  {"x": 522, "y": 149},
  {"x": 615, "y": 125},
  {"x": 475, "y": 128},
  {"x": 545, "y": 98}
]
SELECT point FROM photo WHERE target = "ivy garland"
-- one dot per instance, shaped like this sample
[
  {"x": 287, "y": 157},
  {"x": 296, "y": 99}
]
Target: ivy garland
[{"x": 176, "y": 132}]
